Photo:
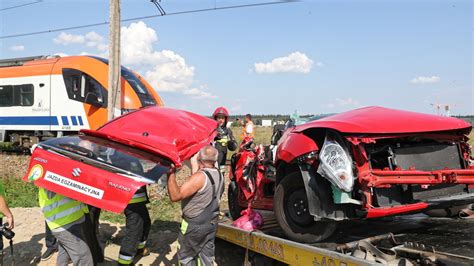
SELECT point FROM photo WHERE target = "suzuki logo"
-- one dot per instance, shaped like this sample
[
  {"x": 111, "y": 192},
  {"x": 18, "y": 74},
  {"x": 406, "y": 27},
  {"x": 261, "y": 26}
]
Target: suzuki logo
[{"x": 76, "y": 172}]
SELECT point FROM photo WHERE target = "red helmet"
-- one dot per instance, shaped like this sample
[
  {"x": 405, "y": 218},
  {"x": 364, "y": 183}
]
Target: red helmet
[{"x": 220, "y": 111}]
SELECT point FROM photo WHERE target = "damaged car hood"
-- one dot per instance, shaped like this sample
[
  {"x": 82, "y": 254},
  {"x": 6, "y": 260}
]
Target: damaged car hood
[
  {"x": 171, "y": 133},
  {"x": 380, "y": 120}
]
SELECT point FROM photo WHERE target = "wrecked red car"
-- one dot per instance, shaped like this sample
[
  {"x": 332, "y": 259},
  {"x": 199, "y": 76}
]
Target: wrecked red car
[
  {"x": 104, "y": 168},
  {"x": 366, "y": 163}
]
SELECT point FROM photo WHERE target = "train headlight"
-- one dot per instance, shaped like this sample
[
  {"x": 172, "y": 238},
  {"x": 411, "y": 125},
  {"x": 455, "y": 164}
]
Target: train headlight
[{"x": 336, "y": 165}]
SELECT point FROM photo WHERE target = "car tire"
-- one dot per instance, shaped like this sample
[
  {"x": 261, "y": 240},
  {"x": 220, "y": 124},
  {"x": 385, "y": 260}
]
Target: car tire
[
  {"x": 233, "y": 200},
  {"x": 292, "y": 212}
]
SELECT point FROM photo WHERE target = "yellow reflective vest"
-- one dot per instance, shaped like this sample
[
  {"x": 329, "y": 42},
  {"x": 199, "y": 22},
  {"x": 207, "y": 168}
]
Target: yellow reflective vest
[
  {"x": 2, "y": 193},
  {"x": 60, "y": 210}
]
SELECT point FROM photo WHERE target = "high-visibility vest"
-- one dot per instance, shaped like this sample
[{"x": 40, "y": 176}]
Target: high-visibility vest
[
  {"x": 244, "y": 130},
  {"x": 60, "y": 210},
  {"x": 139, "y": 196},
  {"x": 223, "y": 141},
  {"x": 2, "y": 193}
]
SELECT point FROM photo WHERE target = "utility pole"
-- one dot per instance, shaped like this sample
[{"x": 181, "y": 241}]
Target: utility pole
[{"x": 114, "y": 101}]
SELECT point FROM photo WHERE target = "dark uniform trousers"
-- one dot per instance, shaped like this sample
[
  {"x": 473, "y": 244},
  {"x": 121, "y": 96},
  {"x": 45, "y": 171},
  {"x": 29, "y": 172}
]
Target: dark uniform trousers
[{"x": 137, "y": 228}]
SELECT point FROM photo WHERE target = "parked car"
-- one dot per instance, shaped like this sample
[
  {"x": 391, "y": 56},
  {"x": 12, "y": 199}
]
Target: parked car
[
  {"x": 105, "y": 168},
  {"x": 362, "y": 164}
]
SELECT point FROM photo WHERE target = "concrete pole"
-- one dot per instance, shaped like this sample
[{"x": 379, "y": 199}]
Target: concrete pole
[{"x": 114, "y": 90}]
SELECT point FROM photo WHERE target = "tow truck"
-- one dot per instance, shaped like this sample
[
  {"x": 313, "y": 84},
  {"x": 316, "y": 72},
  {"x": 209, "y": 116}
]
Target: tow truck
[{"x": 405, "y": 240}]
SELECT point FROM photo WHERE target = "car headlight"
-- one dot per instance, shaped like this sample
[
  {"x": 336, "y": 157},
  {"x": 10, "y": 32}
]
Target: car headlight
[{"x": 336, "y": 165}]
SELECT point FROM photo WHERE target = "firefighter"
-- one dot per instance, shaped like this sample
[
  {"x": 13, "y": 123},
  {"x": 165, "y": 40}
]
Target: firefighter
[
  {"x": 200, "y": 196},
  {"x": 225, "y": 139},
  {"x": 137, "y": 218},
  {"x": 66, "y": 220}
]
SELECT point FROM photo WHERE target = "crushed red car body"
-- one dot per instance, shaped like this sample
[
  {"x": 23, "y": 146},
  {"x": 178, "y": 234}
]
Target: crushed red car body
[
  {"x": 366, "y": 163},
  {"x": 104, "y": 168}
]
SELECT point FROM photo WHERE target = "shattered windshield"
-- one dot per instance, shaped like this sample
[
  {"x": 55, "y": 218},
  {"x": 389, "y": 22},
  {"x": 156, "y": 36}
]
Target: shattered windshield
[{"x": 111, "y": 156}]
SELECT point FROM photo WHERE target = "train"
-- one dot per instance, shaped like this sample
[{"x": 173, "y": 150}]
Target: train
[{"x": 51, "y": 96}]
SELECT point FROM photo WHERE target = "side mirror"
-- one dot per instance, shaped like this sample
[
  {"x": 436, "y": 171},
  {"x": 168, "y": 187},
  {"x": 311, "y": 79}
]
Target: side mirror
[{"x": 93, "y": 99}]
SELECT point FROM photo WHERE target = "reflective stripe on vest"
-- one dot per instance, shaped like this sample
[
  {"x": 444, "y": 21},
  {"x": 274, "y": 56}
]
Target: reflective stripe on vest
[
  {"x": 60, "y": 210},
  {"x": 124, "y": 259},
  {"x": 223, "y": 141}
]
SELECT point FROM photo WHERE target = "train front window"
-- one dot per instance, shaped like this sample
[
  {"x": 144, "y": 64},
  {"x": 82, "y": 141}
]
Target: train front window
[
  {"x": 83, "y": 88},
  {"x": 136, "y": 84}
]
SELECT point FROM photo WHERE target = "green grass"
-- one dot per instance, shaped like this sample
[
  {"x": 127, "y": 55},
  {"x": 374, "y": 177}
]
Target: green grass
[
  {"x": 20, "y": 193},
  {"x": 5, "y": 145},
  {"x": 471, "y": 139}
]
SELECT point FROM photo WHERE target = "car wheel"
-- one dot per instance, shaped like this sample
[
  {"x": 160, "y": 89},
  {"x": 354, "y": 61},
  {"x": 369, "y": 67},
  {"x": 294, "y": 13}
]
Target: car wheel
[
  {"x": 233, "y": 200},
  {"x": 292, "y": 213}
]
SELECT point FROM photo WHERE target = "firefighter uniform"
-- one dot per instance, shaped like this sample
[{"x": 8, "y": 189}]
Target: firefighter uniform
[
  {"x": 224, "y": 141},
  {"x": 137, "y": 227},
  {"x": 65, "y": 217}
]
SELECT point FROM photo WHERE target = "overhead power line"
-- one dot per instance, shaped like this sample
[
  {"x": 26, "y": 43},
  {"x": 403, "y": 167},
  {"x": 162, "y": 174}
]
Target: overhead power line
[
  {"x": 22, "y": 5},
  {"x": 144, "y": 17},
  {"x": 158, "y": 6}
]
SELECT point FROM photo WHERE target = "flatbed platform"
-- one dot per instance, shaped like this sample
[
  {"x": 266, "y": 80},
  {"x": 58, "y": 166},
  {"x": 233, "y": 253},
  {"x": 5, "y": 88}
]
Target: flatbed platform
[{"x": 418, "y": 239}]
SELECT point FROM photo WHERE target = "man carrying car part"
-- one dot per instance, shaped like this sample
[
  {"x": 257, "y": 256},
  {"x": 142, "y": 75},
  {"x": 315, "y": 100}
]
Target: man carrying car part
[
  {"x": 65, "y": 218},
  {"x": 200, "y": 196},
  {"x": 137, "y": 218},
  {"x": 225, "y": 139}
]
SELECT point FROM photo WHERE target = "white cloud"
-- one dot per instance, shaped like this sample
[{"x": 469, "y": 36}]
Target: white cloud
[
  {"x": 91, "y": 39},
  {"x": 199, "y": 94},
  {"x": 296, "y": 62},
  {"x": 165, "y": 70},
  {"x": 347, "y": 102},
  {"x": 17, "y": 48},
  {"x": 65, "y": 39},
  {"x": 425, "y": 80},
  {"x": 61, "y": 54}
]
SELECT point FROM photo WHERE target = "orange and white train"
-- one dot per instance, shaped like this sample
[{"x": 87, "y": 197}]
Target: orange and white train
[{"x": 50, "y": 96}]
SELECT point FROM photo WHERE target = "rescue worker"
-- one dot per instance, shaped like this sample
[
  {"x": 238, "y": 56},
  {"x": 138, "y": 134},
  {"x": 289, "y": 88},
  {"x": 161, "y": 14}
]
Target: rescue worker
[
  {"x": 248, "y": 127},
  {"x": 4, "y": 212},
  {"x": 200, "y": 196},
  {"x": 137, "y": 218},
  {"x": 225, "y": 139},
  {"x": 66, "y": 219},
  {"x": 93, "y": 215}
]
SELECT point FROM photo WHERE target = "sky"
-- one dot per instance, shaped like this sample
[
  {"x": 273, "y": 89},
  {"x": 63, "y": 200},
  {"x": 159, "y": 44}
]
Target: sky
[{"x": 310, "y": 56}]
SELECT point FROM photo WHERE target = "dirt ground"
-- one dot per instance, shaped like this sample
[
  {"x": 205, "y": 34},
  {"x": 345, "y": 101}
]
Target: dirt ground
[{"x": 29, "y": 243}]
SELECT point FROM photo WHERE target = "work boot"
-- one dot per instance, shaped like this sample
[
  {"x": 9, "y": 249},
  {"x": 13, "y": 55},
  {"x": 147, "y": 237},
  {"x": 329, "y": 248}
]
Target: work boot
[
  {"x": 48, "y": 254},
  {"x": 142, "y": 252}
]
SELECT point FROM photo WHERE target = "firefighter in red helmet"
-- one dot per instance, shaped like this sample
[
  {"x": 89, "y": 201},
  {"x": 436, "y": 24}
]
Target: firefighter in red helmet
[{"x": 225, "y": 139}]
